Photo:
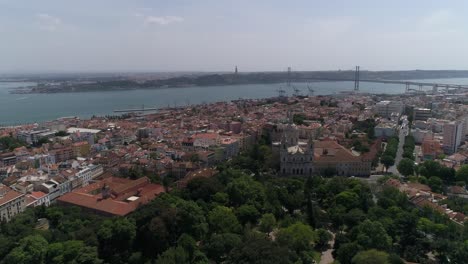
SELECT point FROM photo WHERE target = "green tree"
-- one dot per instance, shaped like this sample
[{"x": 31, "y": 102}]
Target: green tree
[
  {"x": 61, "y": 133},
  {"x": 436, "y": 184},
  {"x": 347, "y": 251},
  {"x": 221, "y": 198},
  {"x": 191, "y": 249},
  {"x": 298, "y": 119},
  {"x": 406, "y": 167},
  {"x": 203, "y": 188},
  {"x": 158, "y": 233},
  {"x": 429, "y": 168},
  {"x": 173, "y": 255},
  {"x": 116, "y": 239},
  {"x": 259, "y": 249},
  {"x": 31, "y": 250},
  {"x": 324, "y": 237},
  {"x": 447, "y": 174},
  {"x": 387, "y": 161},
  {"x": 54, "y": 214},
  {"x": 245, "y": 190},
  {"x": 347, "y": 199},
  {"x": 247, "y": 214},
  {"x": 298, "y": 236},
  {"x": 10, "y": 143},
  {"x": 354, "y": 217},
  {"x": 462, "y": 174},
  {"x": 267, "y": 223},
  {"x": 371, "y": 256},
  {"x": 371, "y": 234},
  {"x": 219, "y": 246},
  {"x": 190, "y": 219},
  {"x": 223, "y": 220},
  {"x": 289, "y": 192},
  {"x": 72, "y": 251},
  {"x": 42, "y": 141}
]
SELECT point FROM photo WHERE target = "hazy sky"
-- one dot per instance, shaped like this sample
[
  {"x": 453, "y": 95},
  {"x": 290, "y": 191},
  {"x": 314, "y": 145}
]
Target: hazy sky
[{"x": 216, "y": 35}]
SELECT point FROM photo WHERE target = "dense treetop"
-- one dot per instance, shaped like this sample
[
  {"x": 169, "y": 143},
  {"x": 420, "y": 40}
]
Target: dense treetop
[{"x": 245, "y": 215}]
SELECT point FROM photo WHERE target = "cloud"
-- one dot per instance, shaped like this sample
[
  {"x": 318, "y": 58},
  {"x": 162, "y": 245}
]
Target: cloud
[
  {"x": 47, "y": 22},
  {"x": 163, "y": 20}
]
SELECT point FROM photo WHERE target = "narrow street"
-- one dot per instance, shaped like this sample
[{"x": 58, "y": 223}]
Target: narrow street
[
  {"x": 327, "y": 257},
  {"x": 402, "y": 134}
]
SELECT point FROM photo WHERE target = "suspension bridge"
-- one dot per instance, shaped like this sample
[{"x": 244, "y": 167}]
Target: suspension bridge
[{"x": 410, "y": 85}]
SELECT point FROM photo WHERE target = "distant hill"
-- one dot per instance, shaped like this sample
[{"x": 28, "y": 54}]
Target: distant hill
[{"x": 136, "y": 81}]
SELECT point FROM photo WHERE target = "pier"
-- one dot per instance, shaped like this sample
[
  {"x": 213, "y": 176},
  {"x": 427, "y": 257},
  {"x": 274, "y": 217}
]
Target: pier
[{"x": 131, "y": 110}]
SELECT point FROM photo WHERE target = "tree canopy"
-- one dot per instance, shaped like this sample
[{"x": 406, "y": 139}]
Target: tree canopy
[
  {"x": 247, "y": 214},
  {"x": 406, "y": 167}
]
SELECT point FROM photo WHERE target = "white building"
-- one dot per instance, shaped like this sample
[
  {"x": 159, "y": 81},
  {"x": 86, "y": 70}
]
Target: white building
[
  {"x": 11, "y": 203},
  {"x": 52, "y": 188},
  {"x": 420, "y": 135},
  {"x": 385, "y": 130},
  {"x": 33, "y": 136},
  {"x": 452, "y": 136},
  {"x": 37, "y": 199},
  {"x": 386, "y": 108},
  {"x": 89, "y": 173}
]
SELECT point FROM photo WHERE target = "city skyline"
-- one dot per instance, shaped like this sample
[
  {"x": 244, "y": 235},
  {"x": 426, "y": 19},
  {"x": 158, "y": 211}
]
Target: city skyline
[{"x": 124, "y": 36}]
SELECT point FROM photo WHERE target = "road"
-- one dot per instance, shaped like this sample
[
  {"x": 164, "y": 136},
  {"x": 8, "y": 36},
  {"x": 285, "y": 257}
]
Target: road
[
  {"x": 327, "y": 257},
  {"x": 403, "y": 132}
]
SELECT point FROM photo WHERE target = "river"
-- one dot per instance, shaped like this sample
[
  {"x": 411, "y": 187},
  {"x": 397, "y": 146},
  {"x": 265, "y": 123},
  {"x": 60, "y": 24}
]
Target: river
[{"x": 29, "y": 108}]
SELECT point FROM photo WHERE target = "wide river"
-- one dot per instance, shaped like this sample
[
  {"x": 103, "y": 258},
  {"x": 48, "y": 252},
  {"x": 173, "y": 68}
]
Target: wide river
[{"x": 29, "y": 108}]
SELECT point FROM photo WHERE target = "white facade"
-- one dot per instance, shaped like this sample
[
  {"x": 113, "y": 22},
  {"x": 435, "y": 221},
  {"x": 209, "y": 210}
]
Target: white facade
[
  {"x": 385, "y": 130},
  {"x": 38, "y": 201},
  {"x": 296, "y": 158},
  {"x": 11, "y": 203},
  {"x": 420, "y": 135},
  {"x": 386, "y": 108},
  {"x": 31, "y": 137},
  {"x": 51, "y": 187},
  {"x": 452, "y": 136},
  {"x": 89, "y": 173}
]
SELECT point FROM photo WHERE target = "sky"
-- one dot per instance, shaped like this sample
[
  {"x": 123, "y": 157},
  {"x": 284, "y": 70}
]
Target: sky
[{"x": 217, "y": 35}]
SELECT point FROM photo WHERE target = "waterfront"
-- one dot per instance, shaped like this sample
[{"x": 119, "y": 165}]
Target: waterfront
[{"x": 28, "y": 108}]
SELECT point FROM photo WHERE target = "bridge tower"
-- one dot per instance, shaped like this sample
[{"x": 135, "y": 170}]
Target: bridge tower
[
  {"x": 407, "y": 86},
  {"x": 289, "y": 77},
  {"x": 356, "y": 79},
  {"x": 311, "y": 91},
  {"x": 420, "y": 87},
  {"x": 435, "y": 88}
]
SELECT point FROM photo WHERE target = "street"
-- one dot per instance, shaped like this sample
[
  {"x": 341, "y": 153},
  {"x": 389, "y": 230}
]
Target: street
[
  {"x": 327, "y": 257},
  {"x": 403, "y": 132}
]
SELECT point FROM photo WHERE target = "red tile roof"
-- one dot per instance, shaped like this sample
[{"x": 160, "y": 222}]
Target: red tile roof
[
  {"x": 431, "y": 147},
  {"x": 8, "y": 194},
  {"x": 90, "y": 197},
  {"x": 331, "y": 151},
  {"x": 206, "y": 136},
  {"x": 38, "y": 195}
]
